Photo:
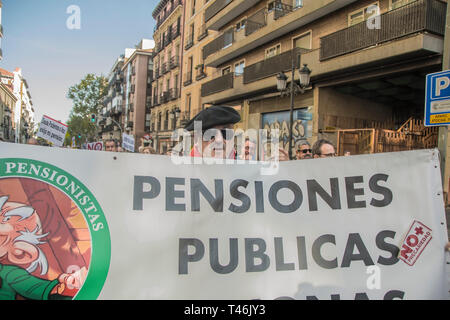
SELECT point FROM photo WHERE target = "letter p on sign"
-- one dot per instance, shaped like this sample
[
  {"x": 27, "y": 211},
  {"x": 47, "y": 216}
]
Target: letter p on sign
[{"x": 442, "y": 83}]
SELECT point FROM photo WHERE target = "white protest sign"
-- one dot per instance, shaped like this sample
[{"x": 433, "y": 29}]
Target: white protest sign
[
  {"x": 128, "y": 142},
  {"x": 52, "y": 130},
  {"x": 358, "y": 227},
  {"x": 95, "y": 146}
]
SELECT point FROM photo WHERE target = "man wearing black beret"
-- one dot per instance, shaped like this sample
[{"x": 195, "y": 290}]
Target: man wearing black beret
[{"x": 213, "y": 132}]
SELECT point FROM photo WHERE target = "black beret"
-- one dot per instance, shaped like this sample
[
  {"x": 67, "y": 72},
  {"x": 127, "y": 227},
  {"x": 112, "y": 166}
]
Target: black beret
[{"x": 214, "y": 116}]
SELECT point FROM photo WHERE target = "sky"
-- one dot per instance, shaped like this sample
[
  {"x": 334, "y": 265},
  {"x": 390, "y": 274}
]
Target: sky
[{"x": 54, "y": 57}]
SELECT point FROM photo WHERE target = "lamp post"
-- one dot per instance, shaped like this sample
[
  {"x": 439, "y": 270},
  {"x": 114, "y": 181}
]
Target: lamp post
[
  {"x": 295, "y": 88},
  {"x": 175, "y": 114}
]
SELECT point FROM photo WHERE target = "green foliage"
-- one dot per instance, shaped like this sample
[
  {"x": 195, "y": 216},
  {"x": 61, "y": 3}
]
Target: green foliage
[{"x": 87, "y": 99}]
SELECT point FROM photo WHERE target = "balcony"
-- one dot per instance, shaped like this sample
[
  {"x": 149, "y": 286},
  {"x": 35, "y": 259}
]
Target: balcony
[
  {"x": 222, "y": 83},
  {"x": 225, "y": 40},
  {"x": 176, "y": 32},
  {"x": 202, "y": 32},
  {"x": 419, "y": 16},
  {"x": 167, "y": 14},
  {"x": 187, "y": 78},
  {"x": 271, "y": 66},
  {"x": 167, "y": 39},
  {"x": 267, "y": 27},
  {"x": 200, "y": 72},
  {"x": 221, "y": 12},
  {"x": 165, "y": 97},
  {"x": 174, "y": 62},
  {"x": 155, "y": 101},
  {"x": 173, "y": 93},
  {"x": 189, "y": 42},
  {"x": 165, "y": 67}
]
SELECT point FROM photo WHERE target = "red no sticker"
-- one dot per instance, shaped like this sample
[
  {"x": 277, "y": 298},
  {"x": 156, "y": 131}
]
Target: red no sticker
[{"x": 415, "y": 242}]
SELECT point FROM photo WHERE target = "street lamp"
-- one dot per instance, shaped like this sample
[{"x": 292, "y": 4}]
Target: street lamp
[
  {"x": 175, "y": 114},
  {"x": 305, "y": 78}
]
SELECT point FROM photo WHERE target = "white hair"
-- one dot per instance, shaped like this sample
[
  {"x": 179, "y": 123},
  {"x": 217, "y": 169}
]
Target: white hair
[{"x": 32, "y": 237}]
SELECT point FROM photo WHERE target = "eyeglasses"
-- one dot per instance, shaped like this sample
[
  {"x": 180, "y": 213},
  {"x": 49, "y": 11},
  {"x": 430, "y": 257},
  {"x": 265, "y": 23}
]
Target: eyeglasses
[
  {"x": 305, "y": 151},
  {"x": 222, "y": 131},
  {"x": 327, "y": 155}
]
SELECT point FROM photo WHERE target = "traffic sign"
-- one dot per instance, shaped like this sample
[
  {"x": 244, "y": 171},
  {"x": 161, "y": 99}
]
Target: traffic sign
[{"x": 437, "y": 99}]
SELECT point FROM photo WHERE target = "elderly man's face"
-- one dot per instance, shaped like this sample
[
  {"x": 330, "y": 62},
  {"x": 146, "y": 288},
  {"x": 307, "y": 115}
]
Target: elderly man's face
[
  {"x": 304, "y": 152},
  {"x": 218, "y": 142},
  {"x": 110, "y": 146},
  {"x": 326, "y": 150}
]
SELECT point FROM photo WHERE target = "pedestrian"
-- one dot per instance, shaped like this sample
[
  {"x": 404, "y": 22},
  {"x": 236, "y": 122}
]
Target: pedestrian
[
  {"x": 111, "y": 145},
  {"x": 323, "y": 149},
  {"x": 217, "y": 135},
  {"x": 304, "y": 151},
  {"x": 33, "y": 141},
  {"x": 248, "y": 151}
]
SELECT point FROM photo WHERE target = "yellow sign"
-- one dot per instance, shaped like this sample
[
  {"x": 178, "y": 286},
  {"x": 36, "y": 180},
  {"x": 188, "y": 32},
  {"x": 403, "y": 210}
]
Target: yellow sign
[{"x": 440, "y": 118}]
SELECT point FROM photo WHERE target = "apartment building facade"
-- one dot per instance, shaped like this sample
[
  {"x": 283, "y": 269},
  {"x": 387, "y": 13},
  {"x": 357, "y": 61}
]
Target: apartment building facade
[
  {"x": 1, "y": 31},
  {"x": 195, "y": 73},
  {"x": 110, "y": 121},
  {"x": 368, "y": 61},
  {"x": 168, "y": 70},
  {"x": 138, "y": 73},
  {"x": 7, "y": 104}
]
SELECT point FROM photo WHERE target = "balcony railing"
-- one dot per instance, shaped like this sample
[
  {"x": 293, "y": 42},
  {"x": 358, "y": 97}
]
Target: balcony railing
[
  {"x": 223, "y": 41},
  {"x": 165, "y": 68},
  {"x": 200, "y": 72},
  {"x": 202, "y": 32},
  {"x": 255, "y": 22},
  {"x": 418, "y": 16},
  {"x": 165, "y": 97},
  {"x": 176, "y": 32},
  {"x": 189, "y": 41},
  {"x": 215, "y": 8},
  {"x": 280, "y": 9},
  {"x": 174, "y": 62},
  {"x": 187, "y": 78},
  {"x": 217, "y": 85},
  {"x": 271, "y": 66},
  {"x": 164, "y": 17},
  {"x": 173, "y": 93}
]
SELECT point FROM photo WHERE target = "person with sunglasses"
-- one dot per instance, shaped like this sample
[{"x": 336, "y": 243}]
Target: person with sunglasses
[
  {"x": 304, "y": 151},
  {"x": 323, "y": 149}
]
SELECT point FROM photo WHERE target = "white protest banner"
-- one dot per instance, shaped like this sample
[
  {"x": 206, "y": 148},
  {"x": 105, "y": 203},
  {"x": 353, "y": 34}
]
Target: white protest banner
[
  {"x": 128, "y": 142},
  {"x": 140, "y": 227},
  {"x": 52, "y": 130},
  {"x": 95, "y": 146}
]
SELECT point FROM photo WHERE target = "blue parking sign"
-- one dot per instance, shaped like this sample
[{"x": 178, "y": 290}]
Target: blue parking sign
[{"x": 437, "y": 99}]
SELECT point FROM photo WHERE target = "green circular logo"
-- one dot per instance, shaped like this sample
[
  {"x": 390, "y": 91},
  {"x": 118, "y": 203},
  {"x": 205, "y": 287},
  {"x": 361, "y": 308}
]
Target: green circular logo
[{"x": 60, "y": 227}]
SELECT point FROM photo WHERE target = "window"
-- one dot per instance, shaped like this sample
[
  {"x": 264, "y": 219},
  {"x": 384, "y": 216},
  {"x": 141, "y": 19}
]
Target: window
[
  {"x": 239, "y": 68},
  {"x": 188, "y": 99},
  {"x": 273, "y": 51},
  {"x": 303, "y": 41},
  {"x": 228, "y": 38},
  {"x": 398, "y": 3},
  {"x": 241, "y": 25},
  {"x": 298, "y": 4},
  {"x": 193, "y": 7},
  {"x": 226, "y": 70},
  {"x": 362, "y": 14}
]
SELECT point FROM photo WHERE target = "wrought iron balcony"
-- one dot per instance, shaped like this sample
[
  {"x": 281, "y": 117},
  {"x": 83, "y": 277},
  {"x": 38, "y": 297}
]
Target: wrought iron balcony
[
  {"x": 174, "y": 62},
  {"x": 215, "y": 8},
  {"x": 418, "y": 16},
  {"x": 217, "y": 85},
  {"x": 271, "y": 66},
  {"x": 187, "y": 78}
]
